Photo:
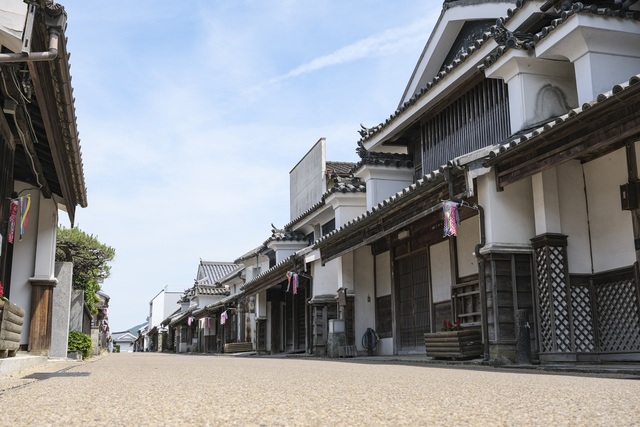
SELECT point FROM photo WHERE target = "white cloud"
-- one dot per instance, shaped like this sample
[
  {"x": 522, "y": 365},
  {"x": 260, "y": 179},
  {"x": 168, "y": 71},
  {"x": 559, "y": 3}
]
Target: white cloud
[
  {"x": 186, "y": 153},
  {"x": 384, "y": 43}
]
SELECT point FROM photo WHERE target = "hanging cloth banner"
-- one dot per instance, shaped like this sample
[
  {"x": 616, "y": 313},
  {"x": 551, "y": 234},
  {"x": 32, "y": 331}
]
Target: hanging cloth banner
[
  {"x": 13, "y": 216},
  {"x": 295, "y": 284},
  {"x": 223, "y": 317},
  {"x": 25, "y": 206},
  {"x": 289, "y": 276},
  {"x": 451, "y": 218},
  {"x": 292, "y": 279}
]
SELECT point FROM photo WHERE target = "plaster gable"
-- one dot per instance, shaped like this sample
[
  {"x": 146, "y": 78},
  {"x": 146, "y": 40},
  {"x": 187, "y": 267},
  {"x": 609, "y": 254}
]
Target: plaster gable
[{"x": 445, "y": 35}]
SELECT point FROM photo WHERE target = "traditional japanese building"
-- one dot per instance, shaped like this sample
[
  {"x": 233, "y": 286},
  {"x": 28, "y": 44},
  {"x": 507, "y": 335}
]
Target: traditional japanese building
[
  {"x": 504, "y": 187},
  {"x": 41, "y": 167}
]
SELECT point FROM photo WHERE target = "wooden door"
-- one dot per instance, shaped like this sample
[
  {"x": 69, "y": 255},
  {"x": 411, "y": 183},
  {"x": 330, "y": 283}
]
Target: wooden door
[{"x": 413, "y": 307}]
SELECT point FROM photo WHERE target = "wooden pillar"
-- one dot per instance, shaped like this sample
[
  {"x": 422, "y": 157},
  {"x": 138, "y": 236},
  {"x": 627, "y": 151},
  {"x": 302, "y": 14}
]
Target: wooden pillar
[{"x": 41, "y": 306}]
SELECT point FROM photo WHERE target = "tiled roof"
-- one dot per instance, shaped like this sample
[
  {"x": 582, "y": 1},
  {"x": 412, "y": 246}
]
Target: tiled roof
[
  {"x": 212, "y": 271},
  {"x": 398, "y": 160},
  {"x": 571, "y": 115},
  {"x": 277, "y": 273},
  {"x": 339, "y": 168},
  {"x": 198, "y": 290},
  {"x": 515, "y": 40},
  {"x": 284, "y": 235},
  {"x": 422, "y": 184},
  {"x": 222, "y": 303},
  {"x": 210, "y": 290},
  {"x": 235, "y": 273},
  {"x": 605, "y": 8},
  {"x": 368, "y": 133}
]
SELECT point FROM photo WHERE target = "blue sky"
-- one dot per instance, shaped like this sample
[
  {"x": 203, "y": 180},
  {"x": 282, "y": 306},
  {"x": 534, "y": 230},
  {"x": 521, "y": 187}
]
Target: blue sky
[{"x": 192, "y": 113}]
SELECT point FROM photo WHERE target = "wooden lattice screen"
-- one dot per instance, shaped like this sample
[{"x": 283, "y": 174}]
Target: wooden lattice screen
[{"x": 597, "y": 314}]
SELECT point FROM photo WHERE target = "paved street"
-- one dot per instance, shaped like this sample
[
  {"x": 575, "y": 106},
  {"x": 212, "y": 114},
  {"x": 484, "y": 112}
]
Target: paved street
[{"x": 140, "y": 389}]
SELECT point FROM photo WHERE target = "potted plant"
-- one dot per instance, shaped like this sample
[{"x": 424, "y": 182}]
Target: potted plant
[
  {"x": 11, "y": 319},
  {"x": 453, "y": 342}
]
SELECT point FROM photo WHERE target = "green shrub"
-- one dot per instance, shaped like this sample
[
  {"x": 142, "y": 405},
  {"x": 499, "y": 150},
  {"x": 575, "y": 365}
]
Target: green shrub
[{"x": 79, "y": 341}]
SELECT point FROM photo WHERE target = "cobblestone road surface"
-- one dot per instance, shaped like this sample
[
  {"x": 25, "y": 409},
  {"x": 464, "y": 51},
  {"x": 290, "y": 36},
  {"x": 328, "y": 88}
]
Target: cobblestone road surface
[{"x": 148, "y": 389}]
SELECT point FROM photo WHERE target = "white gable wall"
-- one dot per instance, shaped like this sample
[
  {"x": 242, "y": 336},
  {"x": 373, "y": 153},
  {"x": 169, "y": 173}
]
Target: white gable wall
[
  {"x": 538, "y": 89},
  {"x": 383, "y": 182},
  {"x": 307, "y": 180},
  {"x": 605, "y": 52},
  {"x": 347, "y": 206}
]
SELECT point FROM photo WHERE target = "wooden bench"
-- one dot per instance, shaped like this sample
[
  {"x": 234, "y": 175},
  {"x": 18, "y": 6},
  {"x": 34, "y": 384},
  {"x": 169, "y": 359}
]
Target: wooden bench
[{"x": 238, "y": 347}]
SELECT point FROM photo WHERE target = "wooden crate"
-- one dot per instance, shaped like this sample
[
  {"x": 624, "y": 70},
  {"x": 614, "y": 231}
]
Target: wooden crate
[
  {"x": 465, "y": 344},
  {"x": 11, "y": 319}
]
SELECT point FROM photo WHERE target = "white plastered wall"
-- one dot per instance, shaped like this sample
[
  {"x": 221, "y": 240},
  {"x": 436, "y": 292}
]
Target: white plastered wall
[
  {"x": 383, "y": 274},
  {"x": 24, "y": 257},
  {"x": 325, "y": 278},
  {"x": 440, "y": 269},
  {"x": 573, "y": 213},
  {"x": 468, "y": 238},
  {"x": 509, "y": 213},
  {"x": 611, "y": 228},
  {"x": 364, "y": 298},
  {"x": 383, "y": 288},
  {"x": 261, "y": 304}
]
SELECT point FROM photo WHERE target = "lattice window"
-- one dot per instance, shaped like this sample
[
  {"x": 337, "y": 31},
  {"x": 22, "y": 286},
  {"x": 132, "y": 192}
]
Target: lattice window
[
  {"x": 476, "y": 119},
  {"x": 619, "y": 320},
  {"x": 582, "y": 319}
]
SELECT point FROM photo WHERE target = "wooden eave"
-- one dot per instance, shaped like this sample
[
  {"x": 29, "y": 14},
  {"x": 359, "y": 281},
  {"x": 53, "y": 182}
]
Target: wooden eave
[
  {"x": 390, "y": 216},
  {"x": 272, "y": 277},
  {"x": 54, "y": 109},
  {"x": 596, "y": 130}
]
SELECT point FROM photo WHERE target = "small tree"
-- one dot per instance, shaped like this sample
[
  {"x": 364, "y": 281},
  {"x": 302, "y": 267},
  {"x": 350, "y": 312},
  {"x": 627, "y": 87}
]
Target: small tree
[{"x": 90, "y": 261}]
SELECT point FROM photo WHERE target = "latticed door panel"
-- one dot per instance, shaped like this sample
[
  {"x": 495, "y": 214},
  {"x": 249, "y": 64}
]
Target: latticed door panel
[
  {"x": 553, "y": 300},
  {"x": 618, "y": 316},
  {"x": 582, "y": 319}
]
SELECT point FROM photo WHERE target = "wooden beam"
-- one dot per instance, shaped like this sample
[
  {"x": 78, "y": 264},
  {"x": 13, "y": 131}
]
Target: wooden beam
[{"x": 579, "y": 143}]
